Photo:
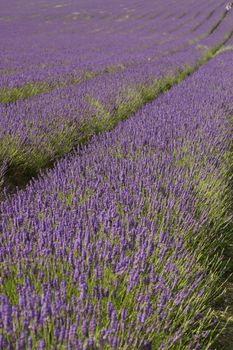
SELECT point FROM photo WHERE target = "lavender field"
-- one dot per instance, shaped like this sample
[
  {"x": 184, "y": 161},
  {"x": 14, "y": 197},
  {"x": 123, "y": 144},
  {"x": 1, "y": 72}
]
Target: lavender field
[{"x": 116, "y": 175}]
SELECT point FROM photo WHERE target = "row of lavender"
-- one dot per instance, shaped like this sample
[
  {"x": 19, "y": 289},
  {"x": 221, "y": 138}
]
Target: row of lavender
[
  {"x": 36, "y": 131},
  {"x": 110, "y": 249},
  {"x": 69, "y": 39}
]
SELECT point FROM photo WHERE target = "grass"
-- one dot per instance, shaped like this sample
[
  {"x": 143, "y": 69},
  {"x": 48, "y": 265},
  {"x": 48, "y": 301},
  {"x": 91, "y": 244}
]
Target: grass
[
  {"x": 8, "y": 95},
  {"x": 11, "y": 95}
]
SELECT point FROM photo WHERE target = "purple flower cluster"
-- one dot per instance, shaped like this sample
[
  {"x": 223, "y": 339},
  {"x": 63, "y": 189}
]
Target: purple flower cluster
[{"x": 106, "y": 250}]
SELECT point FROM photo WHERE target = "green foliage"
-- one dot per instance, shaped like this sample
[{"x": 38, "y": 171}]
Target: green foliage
[{"x": 8, "y": 95}]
